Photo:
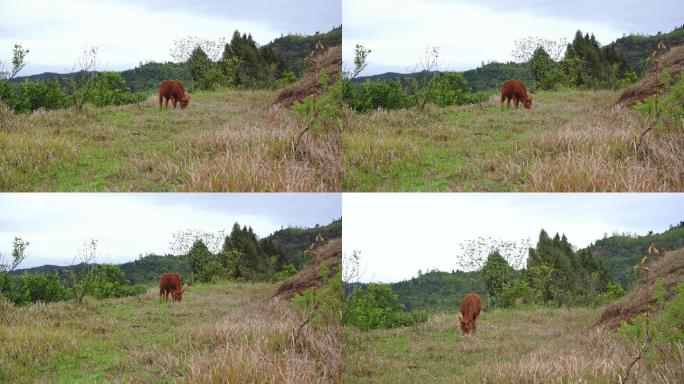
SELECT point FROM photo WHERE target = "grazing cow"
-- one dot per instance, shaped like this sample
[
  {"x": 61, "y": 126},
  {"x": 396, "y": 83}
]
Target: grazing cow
[
  {"x": 513, "y": 89},
  {"x": 172, "y": 89},
  {"x": 470, "y": 309},
  {"x": 171, "y": 284}
]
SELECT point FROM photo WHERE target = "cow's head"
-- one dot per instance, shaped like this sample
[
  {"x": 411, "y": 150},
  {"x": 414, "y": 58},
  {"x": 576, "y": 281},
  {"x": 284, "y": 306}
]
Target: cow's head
[
  {"x": 184, "y": 101},
  {"x": 527, "y": 103},
  {"x": 465, "y": 325},
  {"x": 178, "y": 295}
]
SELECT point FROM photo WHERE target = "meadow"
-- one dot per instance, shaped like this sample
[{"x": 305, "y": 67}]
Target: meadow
[
  {"x": 545, "y": 345},
  {"x": 223, "y": 332},
  {"x": 226, "y": 140},
  {"x": 570, "y": 140}
]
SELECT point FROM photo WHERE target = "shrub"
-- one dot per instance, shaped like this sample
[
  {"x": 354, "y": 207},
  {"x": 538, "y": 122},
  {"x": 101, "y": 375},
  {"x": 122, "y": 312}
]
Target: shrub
[
  {"x": 108, "y": 281},
  {"x": 518, "y": 292},
  {"x": 375, "y": 306},
  {"x": 451, "y": 88},
  {"x": 287, "y": 271},
  {"x": 27, "y": 289},
  {"x": 613, "y": 292},
  {"x": 212, "y": 271},
  {"x": 370, "y": 95},
  {"x": 665, "y": 112},
  {"x": 29, "y": 96},
  {"x": 325, "y": 303},
  {"x": 109, "y": 88},
  {"x": 629, "y": 79},
  {"x": 287, "y": 79}
]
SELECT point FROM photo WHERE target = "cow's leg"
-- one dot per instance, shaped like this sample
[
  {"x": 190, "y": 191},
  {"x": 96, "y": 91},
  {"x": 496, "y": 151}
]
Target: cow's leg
[
  {"x": 174, "y": 101},
  {"x": 161, "y": 291},
  {"x": 508, "y": 100},
  {"x": 160, "y": 107},
  {"x": 167, "y": 102},
  {"x": 502, "y": 100},
  {"x": 515, "y": 99}
]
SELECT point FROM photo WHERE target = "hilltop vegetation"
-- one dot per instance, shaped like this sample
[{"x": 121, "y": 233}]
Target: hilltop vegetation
[
  {"x": 437, "y": 291},
  {"x": 621, "y": 252},
  {"x": 637, "y": 48}
]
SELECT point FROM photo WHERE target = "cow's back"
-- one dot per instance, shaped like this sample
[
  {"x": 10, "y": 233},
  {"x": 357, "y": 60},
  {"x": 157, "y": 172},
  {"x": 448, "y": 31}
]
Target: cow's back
[
  {"x": 170, "y": 282},
  {"x": 172, "y": 87},
  {"x": 511, "y": 88},
  {"x": 470, "y": 306}
]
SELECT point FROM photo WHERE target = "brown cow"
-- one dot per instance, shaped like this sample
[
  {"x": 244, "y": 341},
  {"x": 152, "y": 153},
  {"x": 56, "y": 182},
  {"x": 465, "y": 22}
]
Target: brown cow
[
  {"x": 470, "y": 309},
  {"x": 171, "y": 284},
  {"x": 172, "y": 89},
  {"x": 513, "y": 89}
]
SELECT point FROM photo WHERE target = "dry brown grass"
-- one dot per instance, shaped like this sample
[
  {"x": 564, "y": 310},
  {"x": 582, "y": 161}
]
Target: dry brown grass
[
  {"x": 329, "y": 253},
  {"x": 596, "y": 151},
  {"x": 223, "y": 141},
  {"x": 220, "y": 333},
  {"x": 329, "y": 61},
  {"x": 672, "y": 60}
]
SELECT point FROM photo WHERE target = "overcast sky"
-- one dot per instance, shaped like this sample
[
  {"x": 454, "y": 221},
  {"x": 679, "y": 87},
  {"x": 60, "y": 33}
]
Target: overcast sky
[
  {"x": 469, "y": 32},
  {"x": 128, "y": 32},
  {"x": 400, "y": 233},
  {"x": 127, "y": 225}
]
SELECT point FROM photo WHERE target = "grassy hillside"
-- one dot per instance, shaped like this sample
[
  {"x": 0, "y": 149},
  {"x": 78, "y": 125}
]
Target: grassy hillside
[
  {"x": 224, "y": 141},
  {"x": 218, "y": 333},
  {"x": 568, "y": 141},
  {"x": 437, "y": 291},
  {"x": 621, "y": 253},
  {"x": 511, "y": 346}
]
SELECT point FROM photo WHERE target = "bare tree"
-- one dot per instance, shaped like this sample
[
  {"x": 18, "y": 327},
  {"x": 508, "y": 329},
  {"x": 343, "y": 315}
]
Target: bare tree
[
  {"x": 474, "y": 253},
  {"x": 183, "y": 47},
  {"x": 423, "y": 77},
  {"x": 80, "y": 283},
  {"x": 525, "y": 47},
  {"x": 87, "y": 63},
  {"x": 182, "y": 241}
]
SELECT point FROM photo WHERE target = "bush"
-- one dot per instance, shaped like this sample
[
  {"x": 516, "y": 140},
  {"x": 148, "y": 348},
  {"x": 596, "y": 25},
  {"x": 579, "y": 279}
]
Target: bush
[
  {"x": 375, "y": 306},
  {"x": 27, "y": 289},
  {"x": 665, "y": 112},
  {"x": 109, "y": 88},
  {"x": 287, "y": 79},
  {"x": 613, "y": 292},
  {"x": 212, "y": 271},
  {"x": 108, "y": 281},
  {"x": 29, "y": 96},
  {"x": 370, "y": 95},
  {"x": 516, "y": 293},
  {"x": 325, "y": 303},
  {"x": 287, "y": 271},
  {"x": 629, "y": 79},
  {"x": 451, "y": 88}
]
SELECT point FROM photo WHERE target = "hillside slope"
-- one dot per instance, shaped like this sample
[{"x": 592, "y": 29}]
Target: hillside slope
[
  {"x": 637, "y": 48},
  {"x": 438, "y": 291},
  {"x": 227, "y": 332}
]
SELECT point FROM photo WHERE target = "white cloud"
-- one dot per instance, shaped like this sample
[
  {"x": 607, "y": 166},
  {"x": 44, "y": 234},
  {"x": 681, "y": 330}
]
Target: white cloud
[
  {"x": 467, "y": 32},
  {"x": 398, "y": 233},
  {"x": 126, "y": 33},
  {"x": 127, "y": 225}
]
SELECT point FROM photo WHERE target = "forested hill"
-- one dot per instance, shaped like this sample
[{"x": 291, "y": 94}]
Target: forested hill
[
  {"x": 620, "y": 253},
  {"x": 293, "y": 50},
  {"x": 292, "y": 242},
  {"x": 438, "y": 291},
  {"x": 637, "y": 48},
  {"x": 488, "y": 77}
]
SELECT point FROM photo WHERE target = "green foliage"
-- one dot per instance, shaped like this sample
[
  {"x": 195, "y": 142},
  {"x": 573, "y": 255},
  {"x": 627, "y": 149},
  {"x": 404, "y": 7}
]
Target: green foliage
[
  {"x": 451, "y": 88},
  {"x": 294, "y": 49},
  {"x": 666, "y": 113},
  {"x": 107, "y": 280},
  {"x": 438, "y": 291},
  {"x": 27, "y": 289},
  {"x": 325, "y": 304},
  {"x": 562, "y": 276},
  {"x": 287, "y": 271},
  {"x": 324, "y": 112},
  {"x": 375, "y": 306},
  {"x": 29, "y": 96},
  {"x": 516, "y": 293},
  {"x": 541, "y": 65},
  {"x": 213, "y": 271},
  {"x": 613, "y": 292},
  {"x": 637, "y": 48},
  {"x": 496, "y": 273},
  {"x": 629, "y": 79},
  {"x": 590, "y": 66},
  {"x": 109, "y": 88},
  {"x": 198, "y": 256},
  {"x": 665, "y": 328},
  {"x": 287, "y": 79},
  {"x": 199, "y": 66},
  {"x": 293, "y": 241},
  {"x": 620, "y": 252},
  {"x": 245, "y": 65},
  {"x": 371, "y": 95}
]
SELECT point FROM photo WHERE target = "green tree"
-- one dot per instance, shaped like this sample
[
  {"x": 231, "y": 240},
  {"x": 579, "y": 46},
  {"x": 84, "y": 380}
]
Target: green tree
[
  {"x": 198, "y": 256},
  {"x": 199, "y": 66},
  {"x": 496, "y": 273},
  {"x": 541, "y": 65}
]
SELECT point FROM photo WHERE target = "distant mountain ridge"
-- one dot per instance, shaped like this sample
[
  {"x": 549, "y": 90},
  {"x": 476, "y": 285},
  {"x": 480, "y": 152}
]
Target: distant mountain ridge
[
  {"x": 292, "y": 241},
  {"x": 292, "y": 49},
  {"x": 489, "y": 77}
]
